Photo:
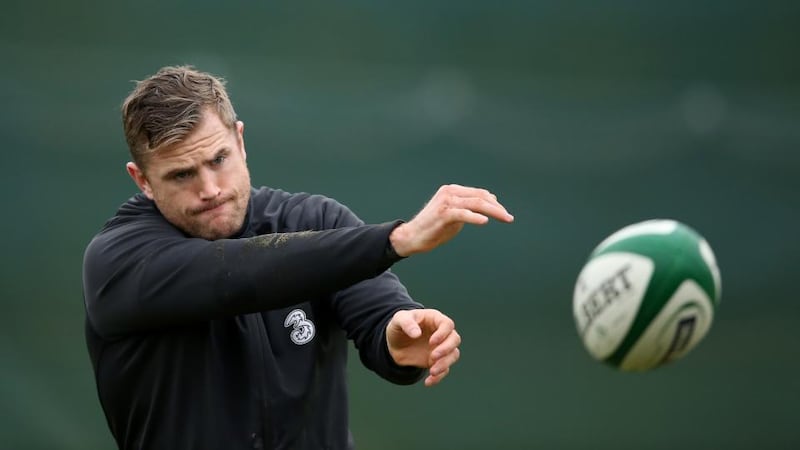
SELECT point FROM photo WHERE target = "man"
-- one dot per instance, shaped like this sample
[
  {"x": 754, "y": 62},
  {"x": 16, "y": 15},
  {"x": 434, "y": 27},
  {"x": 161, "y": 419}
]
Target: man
[{"x": 217, "y": 314}]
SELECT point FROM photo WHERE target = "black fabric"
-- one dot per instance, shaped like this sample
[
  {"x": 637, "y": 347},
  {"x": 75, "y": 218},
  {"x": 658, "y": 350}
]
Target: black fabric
[{"x": 192, "y": 340}]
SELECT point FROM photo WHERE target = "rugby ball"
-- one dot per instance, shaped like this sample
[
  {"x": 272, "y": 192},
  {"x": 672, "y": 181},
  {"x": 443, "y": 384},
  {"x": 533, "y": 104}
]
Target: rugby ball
[{"x": 647, "y": 295}]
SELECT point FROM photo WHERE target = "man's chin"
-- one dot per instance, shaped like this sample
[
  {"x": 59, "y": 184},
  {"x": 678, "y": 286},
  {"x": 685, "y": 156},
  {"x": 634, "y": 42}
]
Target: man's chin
[{"x": 213, "y": 235}]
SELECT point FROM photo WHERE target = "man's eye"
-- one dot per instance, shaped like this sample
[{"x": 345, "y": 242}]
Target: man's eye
[
  {"x": 218, "y": 160},
  {"x": 182, "y": 176}
]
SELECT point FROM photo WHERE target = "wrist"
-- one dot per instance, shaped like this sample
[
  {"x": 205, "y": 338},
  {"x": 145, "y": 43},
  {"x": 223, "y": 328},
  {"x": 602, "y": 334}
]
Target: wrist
[{"x": 398, "y": 241}]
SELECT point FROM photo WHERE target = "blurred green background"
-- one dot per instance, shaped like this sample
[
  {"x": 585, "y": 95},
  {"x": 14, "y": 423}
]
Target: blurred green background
[{"x": 582, "y": 116}]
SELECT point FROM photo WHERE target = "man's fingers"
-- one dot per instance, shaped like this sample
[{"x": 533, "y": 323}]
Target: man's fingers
[
  {"x": 445, "y": 329},
  {"x": 446, "y": 361},
  {"x": 452, "y": 342},
  {"x": 484, "y": 207},
  {"x": 477, "y": 201},
  {"x": 465, "y": 191},
  {"x": 442, "y": 368},
  {"x": 467, "y": 216},
  {"x": 433, "y": 380}
]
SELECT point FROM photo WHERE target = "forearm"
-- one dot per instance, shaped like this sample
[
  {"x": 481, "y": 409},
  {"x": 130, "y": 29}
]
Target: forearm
[
  {"x": 364, "y": 310},
  {"x": 388, "y": 368},
  {"x": 186, "y": 280}
]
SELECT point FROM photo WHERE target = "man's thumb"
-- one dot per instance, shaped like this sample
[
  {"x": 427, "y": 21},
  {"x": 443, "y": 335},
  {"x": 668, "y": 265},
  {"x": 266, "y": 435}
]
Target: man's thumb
[{"x": 409, "y": 325}]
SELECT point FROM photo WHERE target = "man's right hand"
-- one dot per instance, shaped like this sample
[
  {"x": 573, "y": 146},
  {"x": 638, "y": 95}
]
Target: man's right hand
[{"x": 443, "y": 217}]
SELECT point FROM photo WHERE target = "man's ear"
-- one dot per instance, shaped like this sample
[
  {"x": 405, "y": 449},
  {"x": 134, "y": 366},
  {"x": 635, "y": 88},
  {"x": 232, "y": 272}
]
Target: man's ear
[
  {"x": 140, "y": 179},
  {"x": 240, "y": 137}
]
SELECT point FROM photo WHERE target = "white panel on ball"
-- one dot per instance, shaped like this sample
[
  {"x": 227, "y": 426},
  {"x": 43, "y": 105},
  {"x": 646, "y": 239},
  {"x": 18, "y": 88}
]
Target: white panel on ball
[
  {"x": 607, "y": 297},
  {"x": 655, "y": 226}
]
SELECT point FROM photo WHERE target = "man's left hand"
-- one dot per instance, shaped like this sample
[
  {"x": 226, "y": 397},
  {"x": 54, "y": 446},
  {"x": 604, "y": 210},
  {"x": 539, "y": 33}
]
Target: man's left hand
[{"x": 424, "y": 338}]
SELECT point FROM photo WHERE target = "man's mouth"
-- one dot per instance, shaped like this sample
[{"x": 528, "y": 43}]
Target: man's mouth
[{"x": 210, "y": 207}]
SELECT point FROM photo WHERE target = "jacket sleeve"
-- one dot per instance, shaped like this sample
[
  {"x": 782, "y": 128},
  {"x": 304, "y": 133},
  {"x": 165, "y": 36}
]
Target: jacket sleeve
[
  {"x": 364, "y": 309},
  {"x": 144, "y": 274}
]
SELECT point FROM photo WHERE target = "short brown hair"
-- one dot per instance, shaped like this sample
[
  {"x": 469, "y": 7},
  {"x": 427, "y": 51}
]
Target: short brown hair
[{"x": 164, "y": 108}]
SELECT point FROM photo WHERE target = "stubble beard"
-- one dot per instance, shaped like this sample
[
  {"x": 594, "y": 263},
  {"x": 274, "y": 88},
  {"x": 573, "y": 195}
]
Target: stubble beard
[{"x": 223, "y": 226}]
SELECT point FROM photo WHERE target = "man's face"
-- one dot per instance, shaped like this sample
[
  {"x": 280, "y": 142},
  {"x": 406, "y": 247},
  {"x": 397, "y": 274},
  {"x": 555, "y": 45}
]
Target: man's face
[{"x": 201, "y": 185}]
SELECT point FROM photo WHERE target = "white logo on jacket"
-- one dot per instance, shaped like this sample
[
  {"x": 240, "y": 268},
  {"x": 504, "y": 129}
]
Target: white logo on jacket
[{"x": 302, "y": 328}]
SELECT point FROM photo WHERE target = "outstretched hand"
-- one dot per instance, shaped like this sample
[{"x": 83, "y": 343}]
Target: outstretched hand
[
  {"x": 424, "y": 338},
  {"x": 444, "y": 216}
]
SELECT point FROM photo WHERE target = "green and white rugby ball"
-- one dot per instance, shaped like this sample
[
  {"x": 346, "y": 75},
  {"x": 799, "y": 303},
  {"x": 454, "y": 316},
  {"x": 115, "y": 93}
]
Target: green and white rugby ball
[{"x": 647, "y": 295}]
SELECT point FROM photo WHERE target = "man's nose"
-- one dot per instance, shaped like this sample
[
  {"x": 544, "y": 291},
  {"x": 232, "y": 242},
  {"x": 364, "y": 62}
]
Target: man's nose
[{"x": 209, "y": 189}]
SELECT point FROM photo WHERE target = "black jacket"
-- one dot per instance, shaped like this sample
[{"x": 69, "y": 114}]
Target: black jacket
[{"x": 238, "y": 343}]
